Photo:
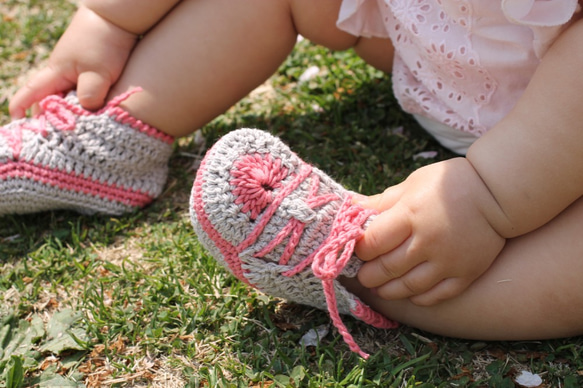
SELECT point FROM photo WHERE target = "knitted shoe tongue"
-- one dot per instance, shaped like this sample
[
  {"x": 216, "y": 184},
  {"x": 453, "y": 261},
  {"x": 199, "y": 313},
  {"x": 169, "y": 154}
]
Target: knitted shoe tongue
[
  {"x": 280, "y": 224},
  {"x": 71, "y": 158}
]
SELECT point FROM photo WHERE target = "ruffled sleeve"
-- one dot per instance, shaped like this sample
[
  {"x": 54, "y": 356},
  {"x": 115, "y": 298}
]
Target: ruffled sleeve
[
  {"x": 546, "y": 18},
  {"x": 362, "y": 18}
]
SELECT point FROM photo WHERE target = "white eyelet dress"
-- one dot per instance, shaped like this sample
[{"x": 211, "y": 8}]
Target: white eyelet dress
[{"x": 461, "y": 65}]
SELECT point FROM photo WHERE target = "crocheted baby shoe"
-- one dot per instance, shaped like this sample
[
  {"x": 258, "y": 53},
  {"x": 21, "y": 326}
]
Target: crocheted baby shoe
[
  {"x": 281, "y": 225},
  {"x": 70, "y": 158}
]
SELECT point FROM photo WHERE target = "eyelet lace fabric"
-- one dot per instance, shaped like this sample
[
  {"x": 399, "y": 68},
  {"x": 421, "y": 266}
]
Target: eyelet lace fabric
[{"x": 463, "y": 63}]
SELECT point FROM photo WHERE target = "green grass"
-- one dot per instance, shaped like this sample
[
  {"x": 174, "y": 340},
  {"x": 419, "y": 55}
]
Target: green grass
[{"x": 135, "y": 301}]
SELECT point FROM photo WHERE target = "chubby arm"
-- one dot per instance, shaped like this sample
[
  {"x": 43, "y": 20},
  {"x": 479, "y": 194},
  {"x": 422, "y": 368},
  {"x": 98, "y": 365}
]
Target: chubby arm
[
  {"x": 91, "y": 54},
  {"x": 134, "y": 16},
  {"x": 532, "y": 161},
  {"x": 442, "y": 228}
]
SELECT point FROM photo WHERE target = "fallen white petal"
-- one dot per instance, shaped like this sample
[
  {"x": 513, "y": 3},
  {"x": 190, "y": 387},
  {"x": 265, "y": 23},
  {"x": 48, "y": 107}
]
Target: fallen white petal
[
  {"x": 317, "y": 108},
  {"x": 527, "y": 379},
  {"x": 310, "y": 73},
  {"x": 425, "y": 155},
  {"x": 11, "y": 238},
  {"x": 312, "y": 337},
  {"x": 198, "y": 137},
  {"x": 397, "y": 130}
]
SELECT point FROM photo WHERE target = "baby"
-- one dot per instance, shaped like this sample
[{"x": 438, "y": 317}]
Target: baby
[{"x": 481, "y": 246}]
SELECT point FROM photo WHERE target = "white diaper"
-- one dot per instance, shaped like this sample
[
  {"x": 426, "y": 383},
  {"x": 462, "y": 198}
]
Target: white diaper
[{"x": 453, "y": 139}]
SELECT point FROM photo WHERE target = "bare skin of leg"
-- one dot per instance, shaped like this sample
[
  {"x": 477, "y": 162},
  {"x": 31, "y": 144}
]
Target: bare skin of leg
[
  {"x": 205, "y": 55},
  {"x": 376, "y": 52},
  {"x": 532, "y": 291}
]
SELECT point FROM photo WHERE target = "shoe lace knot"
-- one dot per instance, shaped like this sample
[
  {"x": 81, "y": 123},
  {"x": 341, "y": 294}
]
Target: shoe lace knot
[
  {"x": 333, "y": 256},
  {"x": 59, "y": 112}
]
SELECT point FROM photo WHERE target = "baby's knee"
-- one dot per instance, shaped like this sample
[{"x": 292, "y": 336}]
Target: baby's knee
[
  {"x": 316, "y": 21},
  {"x": 377, "y": 52}
]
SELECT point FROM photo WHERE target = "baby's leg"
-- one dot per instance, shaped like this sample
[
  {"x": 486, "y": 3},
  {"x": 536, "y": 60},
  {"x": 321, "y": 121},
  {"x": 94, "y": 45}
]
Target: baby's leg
[
  {"x": 534, "y": 290},
  {"x": 199, "y": 60},
  {"x": 207, "y": 54},
  {"x": 377, "y": 52}
]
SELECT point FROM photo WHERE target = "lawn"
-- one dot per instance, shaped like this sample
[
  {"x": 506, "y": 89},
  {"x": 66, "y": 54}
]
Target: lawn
[{"x": 134, "y": 301}]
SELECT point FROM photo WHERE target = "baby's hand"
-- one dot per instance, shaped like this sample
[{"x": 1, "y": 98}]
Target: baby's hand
[
  {"x": 90, "y": 57},
  {"x": 431, "y": 240}
]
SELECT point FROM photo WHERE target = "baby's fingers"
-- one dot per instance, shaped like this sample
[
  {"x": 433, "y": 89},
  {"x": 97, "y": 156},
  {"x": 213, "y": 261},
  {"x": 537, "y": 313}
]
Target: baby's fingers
[
  {"x": 92, "y": 89},
  {"x": 416, "y": 281},
  {"x": 386, "y": 232},
  {"x": 444, "y": 290},
  {"x": 44, "y": 83},
  {"x": 399, "y": 274},
  {"x": 380, "y": 202}
]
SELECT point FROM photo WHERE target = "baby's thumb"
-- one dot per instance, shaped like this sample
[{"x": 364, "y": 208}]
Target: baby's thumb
[
  {"x": 379, "y": 202},
  {"x": 92, "y": 89},
  {"x": 368, "y": 202}
]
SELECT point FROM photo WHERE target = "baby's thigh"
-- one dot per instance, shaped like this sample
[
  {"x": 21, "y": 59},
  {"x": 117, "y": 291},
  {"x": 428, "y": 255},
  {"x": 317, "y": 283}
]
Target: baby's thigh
[
  {"x": 316, "y": 21},
  {"x": 541, "y": 273},
  {"x": 377, "y": 52},
  {"x": 532, "y": 291}
]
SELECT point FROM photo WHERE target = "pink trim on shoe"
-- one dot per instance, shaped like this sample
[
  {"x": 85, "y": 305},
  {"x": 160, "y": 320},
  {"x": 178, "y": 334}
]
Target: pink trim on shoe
[
  {"x": 61, "y": 114},
  {"x": 228, "y": 251},
  {"x": 115, "y": 160},
  {"x": 73, "y": 182},
  {"x": 112, "y": 108},
  {"x": 253, "y": 174}
]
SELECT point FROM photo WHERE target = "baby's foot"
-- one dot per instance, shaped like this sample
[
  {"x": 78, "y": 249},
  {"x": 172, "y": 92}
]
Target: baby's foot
[
  {"x": 281, "y": 225},
  {"x": 70, "y": 158}
]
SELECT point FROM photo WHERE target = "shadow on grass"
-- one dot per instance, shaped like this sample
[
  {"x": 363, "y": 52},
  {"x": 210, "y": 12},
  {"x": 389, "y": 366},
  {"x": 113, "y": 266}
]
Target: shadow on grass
[
  {"x": 356, "y": 134},
  {"x": 360, "y": 137}
]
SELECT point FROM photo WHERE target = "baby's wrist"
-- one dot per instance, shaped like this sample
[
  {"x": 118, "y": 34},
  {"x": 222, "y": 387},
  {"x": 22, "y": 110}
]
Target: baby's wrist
[
  {"x": 488, "y": 205},
  {"x": 106, "y": 25},
  {"x": 133, "y": 16}
]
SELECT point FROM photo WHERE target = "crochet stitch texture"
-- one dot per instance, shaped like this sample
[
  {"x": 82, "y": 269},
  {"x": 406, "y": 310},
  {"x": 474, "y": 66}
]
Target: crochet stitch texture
[
  {"x": 281, "y": 225},
  {"x": 70, "y": 158}
]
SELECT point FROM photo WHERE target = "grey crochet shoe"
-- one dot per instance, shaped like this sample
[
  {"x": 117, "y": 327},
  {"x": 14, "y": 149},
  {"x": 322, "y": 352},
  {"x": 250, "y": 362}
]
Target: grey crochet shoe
[
  {"x": 281, "y": 225},
  {"x": 70, "y": 158}
]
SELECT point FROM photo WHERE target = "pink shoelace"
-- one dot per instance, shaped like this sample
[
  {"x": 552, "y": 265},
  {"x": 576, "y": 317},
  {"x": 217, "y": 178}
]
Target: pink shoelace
[
  {"x": 55, "y": 110},
  {"x": 331, "y": 257},
  {"x": 62, "y": 115}
]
